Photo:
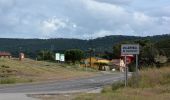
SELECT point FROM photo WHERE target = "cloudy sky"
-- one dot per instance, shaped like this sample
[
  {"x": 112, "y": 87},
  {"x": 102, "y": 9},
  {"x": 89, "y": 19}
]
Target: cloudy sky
[{"x": 83, "y": 18}]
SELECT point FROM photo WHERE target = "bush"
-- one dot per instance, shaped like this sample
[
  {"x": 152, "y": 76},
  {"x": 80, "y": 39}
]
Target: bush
[
  {"x": 7, "y": 81},
  {"x": 46, "y": 55},
  {"x": 117, "y": 85},
  {"x": 107, "y": 89},
  {"x": 74, "y": 55}
]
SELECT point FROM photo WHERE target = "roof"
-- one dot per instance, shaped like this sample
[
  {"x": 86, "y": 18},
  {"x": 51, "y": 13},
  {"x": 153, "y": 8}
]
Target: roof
[
  {"x": 5, "y": 54},
  {"x": 98, "y": 60},
  {"x": 103, "y": 61}
]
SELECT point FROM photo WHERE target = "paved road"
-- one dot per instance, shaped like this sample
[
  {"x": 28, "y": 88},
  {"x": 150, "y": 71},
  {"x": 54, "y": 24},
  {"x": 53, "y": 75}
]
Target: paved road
[
  {"x": 15, "y": 96},
  {"x": 83, "y": 84},
  {"x": 67, "y": 85}
]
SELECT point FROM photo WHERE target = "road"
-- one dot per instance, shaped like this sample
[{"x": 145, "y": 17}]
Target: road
[{"x": 65, "y": 86}]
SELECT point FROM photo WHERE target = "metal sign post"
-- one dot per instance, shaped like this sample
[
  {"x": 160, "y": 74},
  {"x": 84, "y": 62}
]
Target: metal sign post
[
  {"x": 136, "y": 69},
  {"x": 130, "y": 49},
  {"x": 126, "y": 72}
]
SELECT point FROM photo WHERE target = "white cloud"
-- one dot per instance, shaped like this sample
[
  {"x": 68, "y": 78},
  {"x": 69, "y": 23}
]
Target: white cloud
[
  {"x": 142, "y": 19},
  {"x": 80, "y": 18},
  {"x": 101, "y": 33},
  {"x": 116, "y": 1},
  {"x": 52, "y": 25}
]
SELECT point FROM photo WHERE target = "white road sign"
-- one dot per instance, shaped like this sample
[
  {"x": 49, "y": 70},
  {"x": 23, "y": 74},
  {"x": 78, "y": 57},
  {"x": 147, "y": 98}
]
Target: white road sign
[
  {"x": 129, "y": 49},
  {"x": 57, "y": 56},
  {"x": 62, "y": 57}
]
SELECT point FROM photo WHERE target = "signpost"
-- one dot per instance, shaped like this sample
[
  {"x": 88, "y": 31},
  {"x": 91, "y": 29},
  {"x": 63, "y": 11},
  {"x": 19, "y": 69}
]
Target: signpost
[
  {"x": 57, "y": 56},
  {"x": 130, "y": 49},
  {"x": 62, "y": 57}
]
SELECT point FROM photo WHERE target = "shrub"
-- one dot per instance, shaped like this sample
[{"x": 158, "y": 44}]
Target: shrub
[
  {"x": 117, "y": 85},
  {"x": 7, "y": 81}
]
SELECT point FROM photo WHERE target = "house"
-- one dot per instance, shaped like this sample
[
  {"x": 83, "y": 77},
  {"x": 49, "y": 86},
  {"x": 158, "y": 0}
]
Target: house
[
  {"x": 21, "y": 56},
  {"x": 120, "y": 63},
  {"x": 103, "y": 64},
  {"x": 5, "y": 55},
  {"x": 97, "y": 63}
]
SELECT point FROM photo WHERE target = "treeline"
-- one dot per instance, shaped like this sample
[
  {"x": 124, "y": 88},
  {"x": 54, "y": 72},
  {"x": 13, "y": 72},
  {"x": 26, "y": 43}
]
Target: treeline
[
  {"x": 152, "y": 53},
  {"x": 104, "y": 45}
]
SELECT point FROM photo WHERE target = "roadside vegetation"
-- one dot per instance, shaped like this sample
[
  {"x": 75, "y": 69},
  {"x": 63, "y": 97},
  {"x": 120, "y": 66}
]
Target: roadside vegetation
[
  {"x": 153, "y": 84},
  {"x": 15, "y": 71}
]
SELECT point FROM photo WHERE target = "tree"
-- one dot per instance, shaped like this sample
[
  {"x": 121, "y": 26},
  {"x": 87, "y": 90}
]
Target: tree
[
  {"x": 45, "y": 55},
  {"x": 74, "y": 55},
  {"x": 148, "y": 53},
  {"x": 116, "y": 51},
  {"x": 107, "y": 55}
]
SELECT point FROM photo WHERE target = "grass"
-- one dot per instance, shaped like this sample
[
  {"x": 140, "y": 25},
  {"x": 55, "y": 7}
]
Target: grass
[
  {"x": 153, "y": 84},
  {"x": 7, "y": 81},
  {"x": 32, "y": 71}
]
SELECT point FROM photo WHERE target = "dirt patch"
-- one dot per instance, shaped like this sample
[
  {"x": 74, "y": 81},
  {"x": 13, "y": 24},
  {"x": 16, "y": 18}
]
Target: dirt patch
[{"x": 55, "y": 96}]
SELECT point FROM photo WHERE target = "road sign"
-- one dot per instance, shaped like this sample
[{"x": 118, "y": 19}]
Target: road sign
[
  {"x": 129, "y": 49},
  {"x": 57, "y": 56},
  {"x": 62, "y": 57}
]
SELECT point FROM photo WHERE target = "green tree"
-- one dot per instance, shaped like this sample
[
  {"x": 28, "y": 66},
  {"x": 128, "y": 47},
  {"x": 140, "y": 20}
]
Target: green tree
[
  {"x": 74, "y": 55},
  {"x": 45, "y": 55},
  {"x": 148, "y": 54},
  {"x": 116, "y": 51}
]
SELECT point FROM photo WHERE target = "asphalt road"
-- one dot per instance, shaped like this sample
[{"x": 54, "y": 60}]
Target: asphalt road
[{"x": 91, "y": 83}]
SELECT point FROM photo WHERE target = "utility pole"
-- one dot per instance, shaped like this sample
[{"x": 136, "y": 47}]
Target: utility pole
[
  {"x": 137, "y": 69},
  {"x": 126, "y": 72},
  {"x": 90, "y": 51}
]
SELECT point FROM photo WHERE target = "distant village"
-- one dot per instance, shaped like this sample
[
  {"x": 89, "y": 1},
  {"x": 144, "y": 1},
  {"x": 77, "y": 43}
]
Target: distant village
[{"x": 89, "y": 62}]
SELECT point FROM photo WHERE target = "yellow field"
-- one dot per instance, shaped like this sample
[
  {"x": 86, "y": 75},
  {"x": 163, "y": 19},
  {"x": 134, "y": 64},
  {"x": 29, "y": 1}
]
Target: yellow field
[{"x": 30, "y": 70}]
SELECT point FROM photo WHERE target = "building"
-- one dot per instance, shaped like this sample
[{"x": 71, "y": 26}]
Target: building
[
  {"x": 119, "y": 64},
  {"x": 21, "y": 56},
  {"x": 97, "y": 63},
  {"x": 5, "y": 55}
]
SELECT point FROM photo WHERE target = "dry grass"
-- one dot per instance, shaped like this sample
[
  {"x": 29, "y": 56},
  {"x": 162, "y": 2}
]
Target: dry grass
[
  {"x": 152, "y": 77},
  {"x": 154, "y": 84},
  {"x": 159, "y": 93},
  {"x": 30, "y": 70}
]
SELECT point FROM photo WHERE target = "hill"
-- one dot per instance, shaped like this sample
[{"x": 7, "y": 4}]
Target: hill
[
  {"x": 32, "y": 46},
  {"x": 15, "y": 71}
]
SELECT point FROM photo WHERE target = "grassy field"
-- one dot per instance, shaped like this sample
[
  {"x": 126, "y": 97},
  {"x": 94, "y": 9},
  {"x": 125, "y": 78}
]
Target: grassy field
[
  {"x": 15, "y": 71},
  {"x": 154, "y": 84}
]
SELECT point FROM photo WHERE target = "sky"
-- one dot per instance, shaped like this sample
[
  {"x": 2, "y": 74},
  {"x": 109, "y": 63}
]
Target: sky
[{"x": 83, "y": 19}]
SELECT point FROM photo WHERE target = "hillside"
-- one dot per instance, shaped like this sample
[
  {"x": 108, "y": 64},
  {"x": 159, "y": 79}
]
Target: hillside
[
  {"x": 32, "y": 46},
  {"x": 15, "y": 71}
]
